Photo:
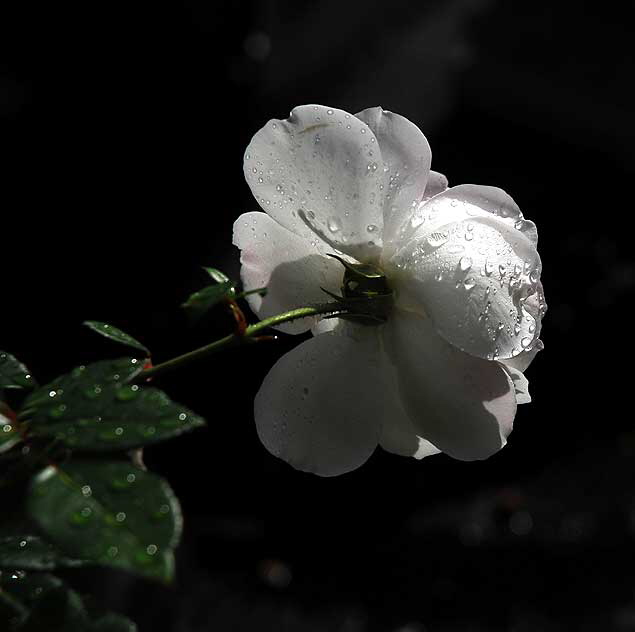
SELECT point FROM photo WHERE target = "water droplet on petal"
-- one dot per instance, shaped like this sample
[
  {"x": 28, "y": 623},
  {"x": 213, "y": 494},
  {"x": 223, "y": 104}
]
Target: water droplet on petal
[
  {"x": 465, "y": 263},
  {"x": 525, "y": 342},
  {"x": 469, "y": 283},
  {"x": 334, "y": 224}
]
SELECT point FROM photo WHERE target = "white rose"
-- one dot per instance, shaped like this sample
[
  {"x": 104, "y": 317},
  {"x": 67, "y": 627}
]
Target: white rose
[{"x": 445, "y": 371}]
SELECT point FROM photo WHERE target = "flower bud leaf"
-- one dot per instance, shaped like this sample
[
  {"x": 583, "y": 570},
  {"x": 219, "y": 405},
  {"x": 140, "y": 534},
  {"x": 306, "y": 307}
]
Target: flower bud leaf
[
  {"x": 108, "y": 513},
  {"x": 96, "y": 408},
  {"x": 13, "y": 374},
  {"x": 32, "y": 553},
  {"x": 116, "y": 334},
  {"x": 199, "y": 303},
  {"x": 217, "y": 275}
]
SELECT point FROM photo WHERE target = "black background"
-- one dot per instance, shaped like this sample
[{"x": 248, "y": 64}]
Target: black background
[{"x": 123, "y": 128}]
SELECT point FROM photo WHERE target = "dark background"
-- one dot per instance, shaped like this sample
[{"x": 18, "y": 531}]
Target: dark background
[{"x": 123, "y": 128}]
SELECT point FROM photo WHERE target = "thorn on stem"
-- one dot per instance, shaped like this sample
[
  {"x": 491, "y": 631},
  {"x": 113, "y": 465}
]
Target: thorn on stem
[{"x": 239, "y": 317}]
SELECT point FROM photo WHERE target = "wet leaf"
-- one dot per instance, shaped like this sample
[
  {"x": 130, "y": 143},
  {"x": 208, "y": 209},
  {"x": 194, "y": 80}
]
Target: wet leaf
[
  {"x": 116, "y": 334},
  {"x": 20, "y": 592},
  {"x": 109, "y": 513},
  {"x": 95, "y": 408},
  {"x": 30, "y": 552},
  {"x": 13, "y": 374},
  {"x": 44, "y": 603},
  {"x": 9, "y": 435}
]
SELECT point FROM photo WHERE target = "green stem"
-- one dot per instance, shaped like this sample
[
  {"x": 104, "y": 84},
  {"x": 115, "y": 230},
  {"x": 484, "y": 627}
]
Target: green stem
[{"x": 237, "y": 339}]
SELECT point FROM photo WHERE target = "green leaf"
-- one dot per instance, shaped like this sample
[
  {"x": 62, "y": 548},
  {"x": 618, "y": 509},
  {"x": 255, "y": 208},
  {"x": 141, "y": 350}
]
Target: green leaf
[
  {"x": 109, "y": 513},
  {"x": 30, "y": 552},
  {"x": 202, "y": 301},
  {"x": 20, "y": 592},
  {"x": 115, "y": 334},
  {"x": 217, "y": 275},
  {"x": 84, "y": 381},
  {"x": 91, "y": 410},
  {"x": 58, "y": 609},
  {"x": 43, "y": 603},
  {"x": 9, "y": 435},
  {"x": 113, "y": 623},
  {"x": 13, "y": 374}
]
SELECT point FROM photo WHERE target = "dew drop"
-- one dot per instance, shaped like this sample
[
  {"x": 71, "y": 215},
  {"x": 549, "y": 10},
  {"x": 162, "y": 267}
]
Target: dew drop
[
  {"x": 57, "y": 412},
  {"x": 93, "y": 392},
  {"x": 525, "y": 342},
  {"x": 333, "y": 224},
  {"x": 465, "y": 263},
  {"x": 469, "y": 283},
  {"x": 126, "y": 393}
]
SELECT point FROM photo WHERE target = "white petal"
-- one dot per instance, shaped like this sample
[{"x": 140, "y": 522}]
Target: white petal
[
  {"x": 398, "y": 435},
  {"x": 321, "y": 406},
  {"x": 407, "y": 156},
  {"x": 291, "y": 268},
  {"x": 520, "y": 382},
  {"x": 463, "y": 405},
  {"x": 473, "y": 274},
  {"x": 537, "y": 307},
  {"x": 325, "y": 325},
  {"x": 464, "y": 202},
  {"x": 522, "y": 361},
  {"x": 437, "y": 183},
  {"x": 321, "y": 171}
]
